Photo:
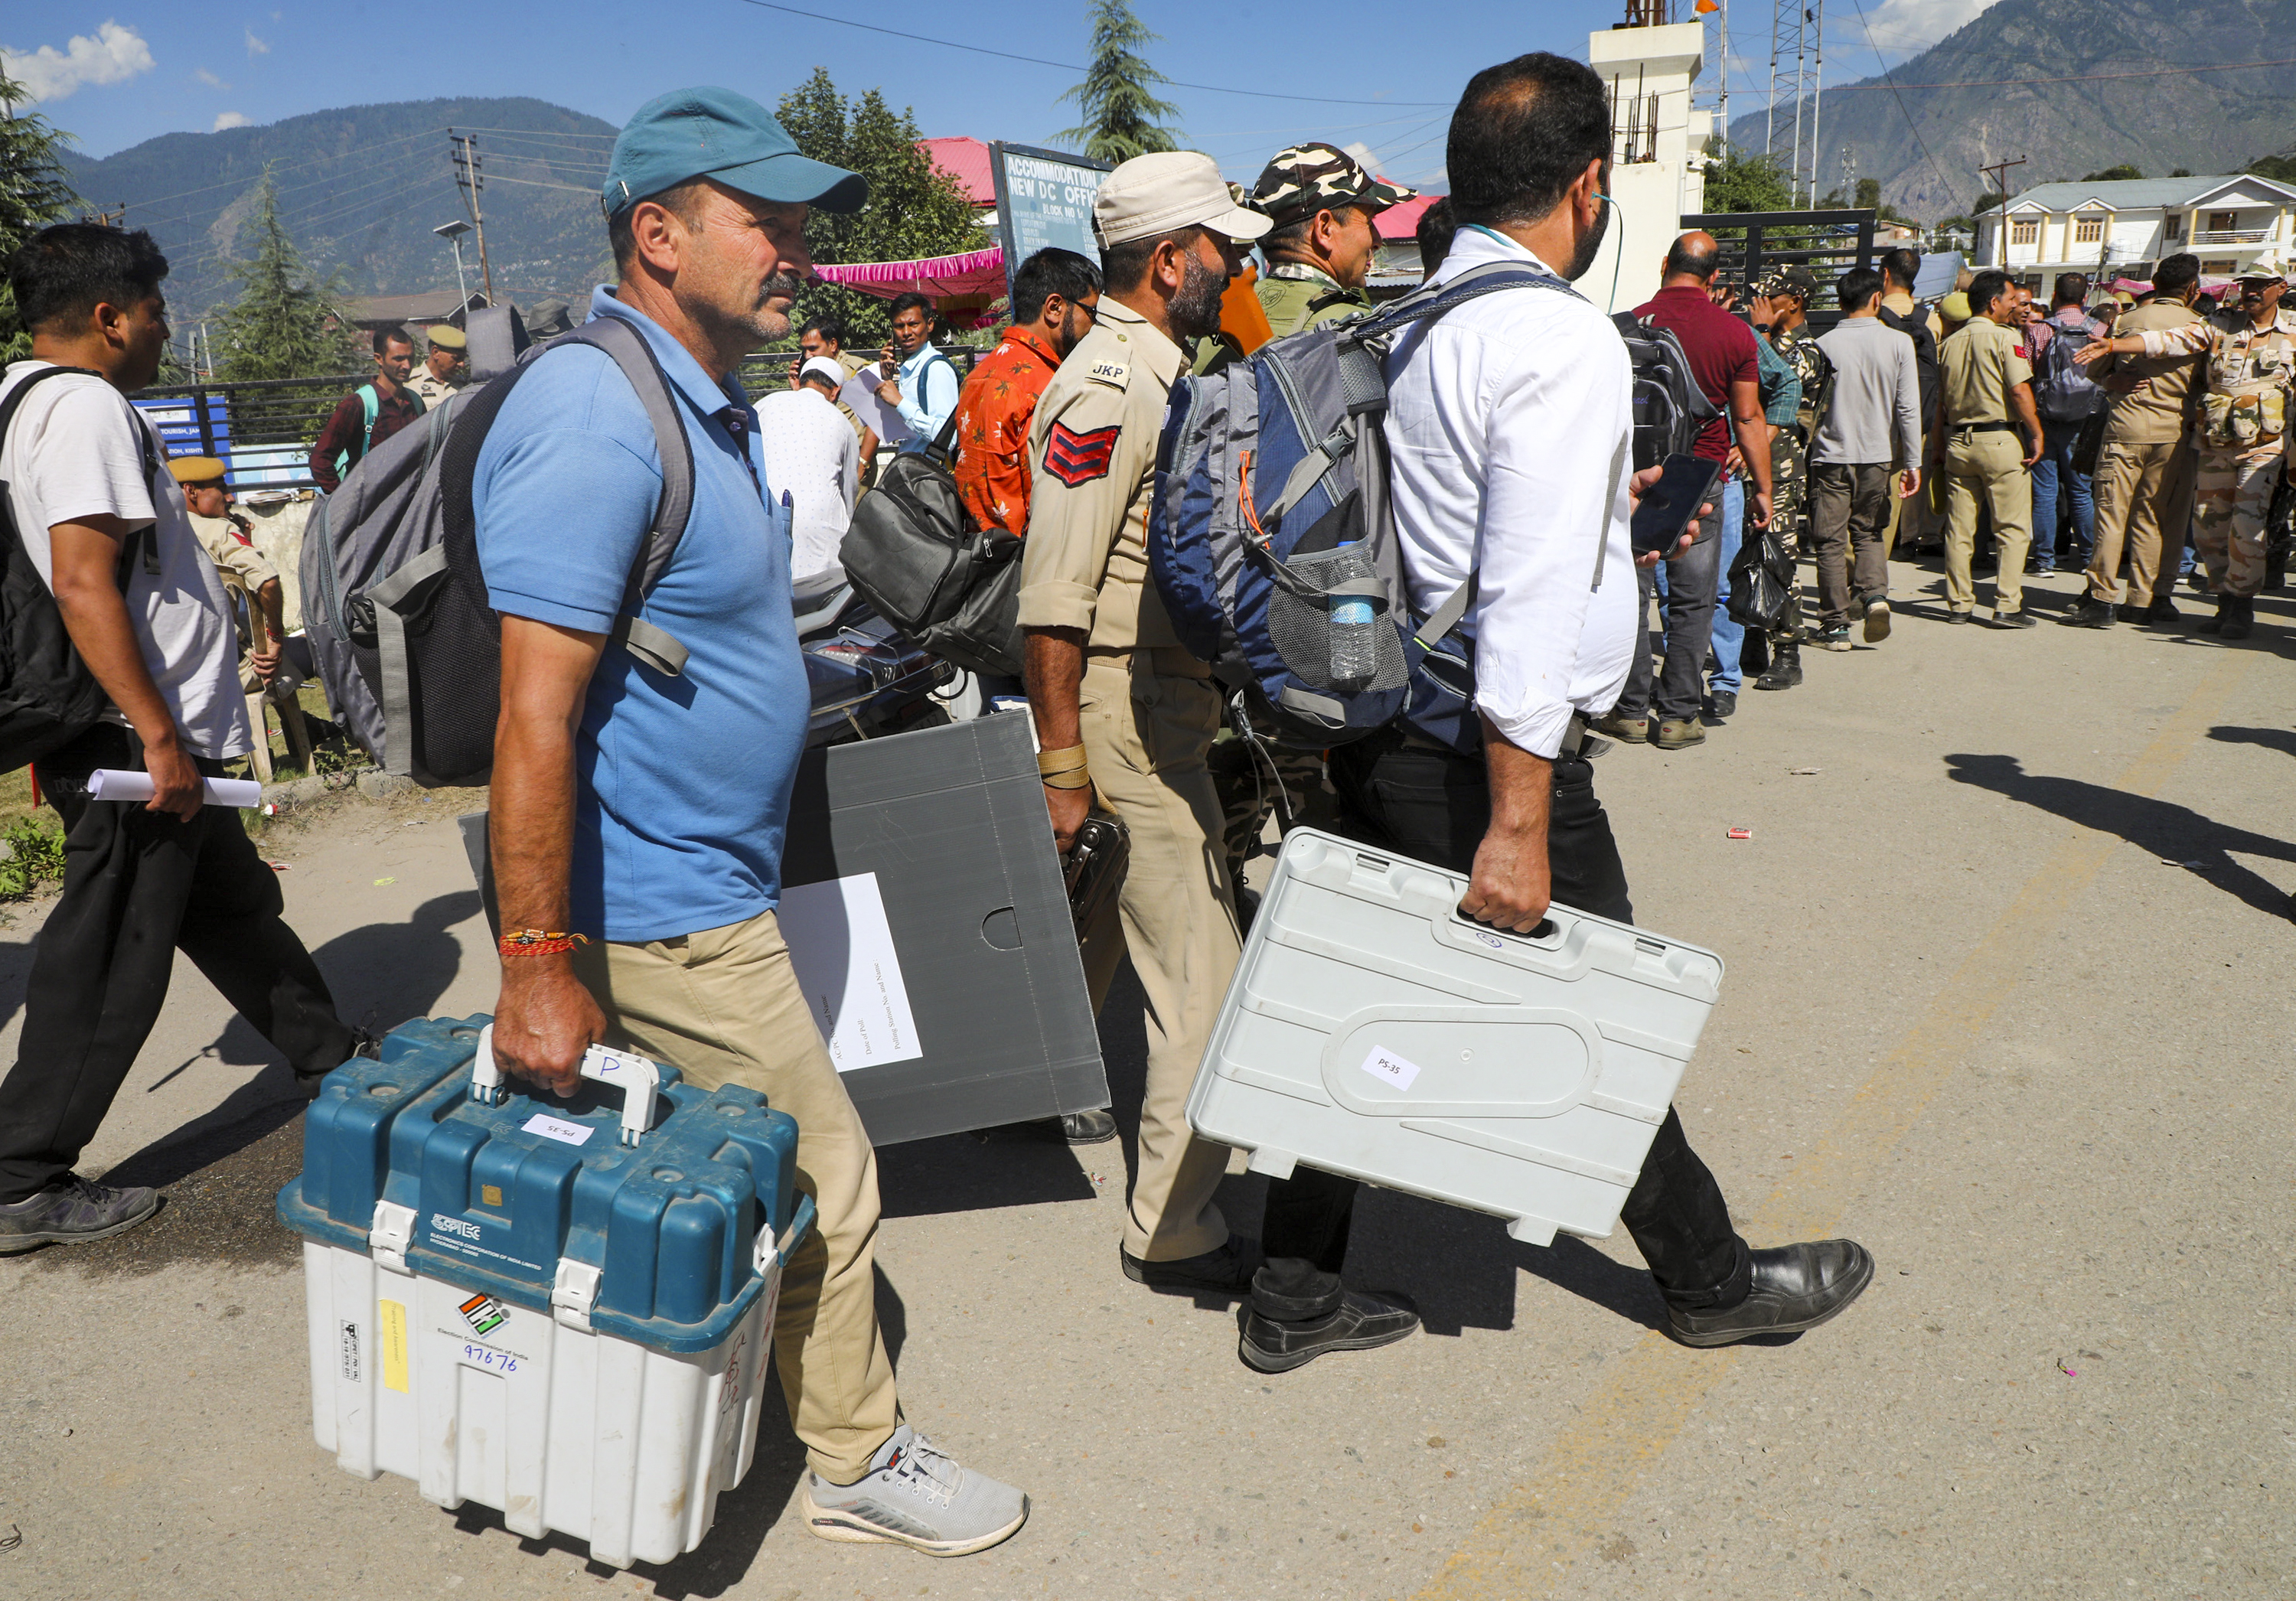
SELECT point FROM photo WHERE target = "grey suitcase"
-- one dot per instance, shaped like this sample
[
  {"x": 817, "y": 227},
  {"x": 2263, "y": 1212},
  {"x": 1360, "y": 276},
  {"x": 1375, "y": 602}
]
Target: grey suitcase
[{"x": 1372, "y": 1031}]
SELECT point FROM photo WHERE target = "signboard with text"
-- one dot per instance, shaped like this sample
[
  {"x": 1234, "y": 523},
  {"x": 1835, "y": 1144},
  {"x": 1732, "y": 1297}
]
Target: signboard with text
[{"x": 1044, "y": 197}]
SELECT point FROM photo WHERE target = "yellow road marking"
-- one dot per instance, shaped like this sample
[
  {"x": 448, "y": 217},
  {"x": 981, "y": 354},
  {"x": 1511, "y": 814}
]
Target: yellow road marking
[{"x": 1529, "y": 1541}]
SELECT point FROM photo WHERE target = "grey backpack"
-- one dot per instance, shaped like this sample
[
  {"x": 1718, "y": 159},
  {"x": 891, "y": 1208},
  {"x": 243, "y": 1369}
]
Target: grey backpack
[{"x": 395, "y": 603}]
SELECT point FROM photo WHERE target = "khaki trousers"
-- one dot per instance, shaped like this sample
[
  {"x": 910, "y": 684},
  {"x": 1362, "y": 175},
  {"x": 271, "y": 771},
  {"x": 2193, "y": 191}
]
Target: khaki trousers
[
  {"x": 2143, "y": 492},
  {"x": 1991, "y": 465},
  {"x": 1146, "y": 736},
  {"x": 724, "y": 1007}
]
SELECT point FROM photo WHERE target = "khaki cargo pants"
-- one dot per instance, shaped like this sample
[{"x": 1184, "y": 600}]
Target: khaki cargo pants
[
  {"x": 2144, "y": 497},
  {"x": 1146, "y": 734},
  {"x": 724, "y": 1007},
  {"x": 1991, "y": 465}
]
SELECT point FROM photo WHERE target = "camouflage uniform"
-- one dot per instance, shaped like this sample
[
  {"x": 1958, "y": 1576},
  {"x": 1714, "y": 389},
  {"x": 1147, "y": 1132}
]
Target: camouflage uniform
[
  {"x": 2242, "y": 438},
  {"x": 1790, "y": 445},
  {"x": 1296, "y": 295}
]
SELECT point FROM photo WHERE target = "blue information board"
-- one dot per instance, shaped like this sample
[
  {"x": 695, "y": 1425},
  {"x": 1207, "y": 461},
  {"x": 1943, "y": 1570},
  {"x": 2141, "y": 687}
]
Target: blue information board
[{"x": 1044, "y": 197}]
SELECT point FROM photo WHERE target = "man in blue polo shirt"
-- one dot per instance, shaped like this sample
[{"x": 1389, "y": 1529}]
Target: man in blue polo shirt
[{"x": 638, "y": 817}]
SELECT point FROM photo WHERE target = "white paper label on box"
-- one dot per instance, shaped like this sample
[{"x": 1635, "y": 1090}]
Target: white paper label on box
[
  {"x": 841, "y": 946},
  {"x": 550, "y": 1128},
  {"x": 1389, "y": 1068}
]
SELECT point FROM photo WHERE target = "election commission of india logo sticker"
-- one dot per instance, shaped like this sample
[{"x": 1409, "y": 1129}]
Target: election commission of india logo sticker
[{"x": 483, "y": 1313}]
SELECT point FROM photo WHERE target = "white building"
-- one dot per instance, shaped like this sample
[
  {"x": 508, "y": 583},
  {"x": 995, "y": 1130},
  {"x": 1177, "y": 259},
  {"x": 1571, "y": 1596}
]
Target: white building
[
  {"x": 1658, "y": 170},
  {"x": 2225, "y": 220}
]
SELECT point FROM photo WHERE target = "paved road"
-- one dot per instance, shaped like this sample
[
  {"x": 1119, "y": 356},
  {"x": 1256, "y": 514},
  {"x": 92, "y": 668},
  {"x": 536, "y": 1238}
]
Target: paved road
[{"x": 2008, "y": 999}]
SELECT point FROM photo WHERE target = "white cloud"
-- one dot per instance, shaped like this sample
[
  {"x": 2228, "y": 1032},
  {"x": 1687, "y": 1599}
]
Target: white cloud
[
  {"x": 114, "y": 55},
  {"x": 232, "y": 120},
  {"x": 256, "y": 46},
  {"x": 208, "y": 78},
  {"x": 1917, "y": 24}
]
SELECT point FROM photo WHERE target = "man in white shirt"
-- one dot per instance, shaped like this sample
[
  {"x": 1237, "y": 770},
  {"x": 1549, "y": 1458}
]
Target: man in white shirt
[
  {"x": 108, "y": 531},
  {"x": 1510, "y": 426},
  {"x": 813, "y": 461}
]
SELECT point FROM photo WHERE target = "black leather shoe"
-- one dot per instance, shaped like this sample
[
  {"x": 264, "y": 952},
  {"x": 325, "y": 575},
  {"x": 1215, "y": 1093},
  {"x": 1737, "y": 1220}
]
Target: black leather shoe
[
  {"x": 1784, "y": 669},
  {"x": 1722, "y": 706},
  {"x": 1365, "y": 1320},
  {"x": 1795, "y": 1287},
  {"x": 1959, "y": 617},
  {"x": 2019, "y": 619},
  {"x": 1226, "y": 1271},
  {"x": 2161, "y": 610},
  {"x": 1094, "y": 1127},
  {"x": 2089, "y": 613}
]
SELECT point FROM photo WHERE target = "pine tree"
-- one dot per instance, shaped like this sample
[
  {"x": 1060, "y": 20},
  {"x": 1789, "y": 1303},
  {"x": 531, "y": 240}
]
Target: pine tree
[
  {"x": 915, "y": 211},
  {"x": 33, "y": 192},
  {"x": 285, "y": 324},
  {"x": 1117, "y": 96}
]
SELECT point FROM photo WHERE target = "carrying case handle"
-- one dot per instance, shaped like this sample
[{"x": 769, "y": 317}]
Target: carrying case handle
[{"x": 638, "y": 1078}]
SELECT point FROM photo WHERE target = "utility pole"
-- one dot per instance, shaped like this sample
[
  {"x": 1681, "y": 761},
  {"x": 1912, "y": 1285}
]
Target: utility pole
[
  {"x": 107, "y": 219},
  {"x": 468, "y": 179},
  {"x": 2000, "y": 171}
]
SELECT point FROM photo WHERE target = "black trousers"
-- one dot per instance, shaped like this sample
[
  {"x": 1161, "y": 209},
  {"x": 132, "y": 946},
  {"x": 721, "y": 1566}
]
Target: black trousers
[
  {"x": 1433, "y": 806},
  {"x": 138, "y": 885}
]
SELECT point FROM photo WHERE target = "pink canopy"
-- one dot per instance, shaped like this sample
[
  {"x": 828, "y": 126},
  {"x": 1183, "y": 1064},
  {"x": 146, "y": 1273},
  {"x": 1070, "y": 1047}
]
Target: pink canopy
[
  {"x": 1402, "y": 222},
  {"x": 974, "y": 273}
]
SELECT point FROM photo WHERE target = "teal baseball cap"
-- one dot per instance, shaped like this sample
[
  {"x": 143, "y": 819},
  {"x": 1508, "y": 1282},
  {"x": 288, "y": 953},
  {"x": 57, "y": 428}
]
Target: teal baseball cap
[{"x": 709, "y": 133}]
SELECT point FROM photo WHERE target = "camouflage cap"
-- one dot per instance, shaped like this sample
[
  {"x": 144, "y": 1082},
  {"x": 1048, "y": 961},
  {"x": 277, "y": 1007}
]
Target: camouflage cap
[
  {"x": 1309, "y": 179},
  {"x": 1787, "y": 281}
]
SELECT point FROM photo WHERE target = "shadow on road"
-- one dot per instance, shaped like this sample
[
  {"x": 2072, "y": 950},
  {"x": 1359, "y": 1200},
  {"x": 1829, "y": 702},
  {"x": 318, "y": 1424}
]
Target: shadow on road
[
  {"x": 2283, "y": 740},
  {"x": 2173, "y": 833}
]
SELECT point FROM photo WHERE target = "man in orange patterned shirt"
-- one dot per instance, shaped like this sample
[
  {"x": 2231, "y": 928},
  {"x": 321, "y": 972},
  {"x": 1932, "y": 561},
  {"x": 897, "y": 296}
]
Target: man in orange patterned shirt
[{"x": 1053, "y": 298}]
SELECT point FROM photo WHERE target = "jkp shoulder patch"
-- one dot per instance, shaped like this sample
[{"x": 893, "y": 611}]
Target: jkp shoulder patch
[
  {"x": 1079, "y": 458},
  {"x": 1110, "y": 371}
]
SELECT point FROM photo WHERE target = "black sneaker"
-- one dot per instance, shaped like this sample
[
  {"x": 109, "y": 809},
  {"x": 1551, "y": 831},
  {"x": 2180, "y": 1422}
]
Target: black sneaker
[
  {"x": 1365, "y": 1320},
  {"x": 1835, "y": 638},
  {"x": 1226, "y": 1271},
  {"x": 75, "y": 1211},
  {"x": 2089, "y": 612}
]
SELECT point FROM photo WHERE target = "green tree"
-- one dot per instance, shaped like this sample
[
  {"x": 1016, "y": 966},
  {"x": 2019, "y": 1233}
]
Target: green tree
[
  {"x": 33, "y": 192},
  {"x": 2279, "y": 168},
  {"x": 286, "y": 323},
  {"x": 1740, "y": 180},
  {"x": 915, "y": 211},
  {"x": 2112, "y": 175},
  {"x": 1117, "y": 96}
]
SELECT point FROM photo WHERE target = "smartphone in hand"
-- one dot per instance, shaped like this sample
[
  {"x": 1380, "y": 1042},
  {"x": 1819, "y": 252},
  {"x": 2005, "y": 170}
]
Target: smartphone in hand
[{"x": 1685, "y": 483}]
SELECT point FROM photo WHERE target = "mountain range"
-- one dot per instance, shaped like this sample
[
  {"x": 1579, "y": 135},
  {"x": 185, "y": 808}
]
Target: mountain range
[
  {"x": 2107, "y": 100},
  {"x": 360, "y": 190}
]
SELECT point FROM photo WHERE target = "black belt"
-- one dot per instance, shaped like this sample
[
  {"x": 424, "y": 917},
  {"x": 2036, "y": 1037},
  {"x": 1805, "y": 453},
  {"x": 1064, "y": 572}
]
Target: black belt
[
  {"x": 1982, "y": 427},
  {"x": 1575, "y": 735}
]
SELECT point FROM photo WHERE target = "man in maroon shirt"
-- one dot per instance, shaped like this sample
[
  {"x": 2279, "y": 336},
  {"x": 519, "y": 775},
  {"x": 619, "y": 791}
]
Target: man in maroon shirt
[
  {"x": 349, "y": 435},
  {"x": 1724, "y": 362}
]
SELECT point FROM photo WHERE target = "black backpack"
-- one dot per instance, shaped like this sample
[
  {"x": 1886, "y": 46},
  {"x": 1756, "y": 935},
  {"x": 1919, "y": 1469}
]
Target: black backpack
[
  {"x": 48, "y": 695},
  {"x": 1669, "y": 407},
  {"x": 396, "y": 602}
]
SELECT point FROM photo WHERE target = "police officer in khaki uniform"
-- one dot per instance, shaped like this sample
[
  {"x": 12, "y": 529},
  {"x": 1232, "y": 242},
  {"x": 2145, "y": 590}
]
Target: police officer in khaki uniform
[
  {"x": 443, "y": 370},
  {"x": 224, "y": 534},
  {"x": 1121, "y": 709},
  {"x": 1985, "y": 396}
]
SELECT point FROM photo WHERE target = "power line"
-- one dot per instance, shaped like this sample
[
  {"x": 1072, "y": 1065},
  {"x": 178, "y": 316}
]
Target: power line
[
  {"x": 158, "y": 200},
  {"x": 2078, "y": 78},
  {"x": 1911, "y": 125},
  {"x": 1036, "y": 61}
]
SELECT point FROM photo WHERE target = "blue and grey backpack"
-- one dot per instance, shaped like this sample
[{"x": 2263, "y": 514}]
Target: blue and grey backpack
[{"x": 1272, "y": 539}]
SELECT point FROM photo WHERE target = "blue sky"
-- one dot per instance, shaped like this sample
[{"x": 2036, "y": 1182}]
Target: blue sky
[{"x": 1377, "y": 71}]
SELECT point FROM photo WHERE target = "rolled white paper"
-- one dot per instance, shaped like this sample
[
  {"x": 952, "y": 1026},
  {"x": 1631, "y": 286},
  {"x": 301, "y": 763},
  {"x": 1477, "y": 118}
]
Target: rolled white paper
[{"x": 114, "y": 784}]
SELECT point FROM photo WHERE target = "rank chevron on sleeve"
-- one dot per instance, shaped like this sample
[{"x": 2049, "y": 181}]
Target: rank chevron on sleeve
[{"x": 1078, "y": 458}]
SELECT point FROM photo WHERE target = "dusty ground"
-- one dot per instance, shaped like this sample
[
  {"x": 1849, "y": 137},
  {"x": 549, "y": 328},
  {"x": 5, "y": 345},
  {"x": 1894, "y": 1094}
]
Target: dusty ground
[{"x": 2008, "y": 1000}]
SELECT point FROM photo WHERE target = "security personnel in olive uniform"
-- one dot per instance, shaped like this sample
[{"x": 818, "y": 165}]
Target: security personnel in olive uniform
[
  {"x": 1319, "y": 253},
  {"x": 445, "y": 368},
  {"x": 1120, "y": 708},
  {"x": 1783, "y": 295}
]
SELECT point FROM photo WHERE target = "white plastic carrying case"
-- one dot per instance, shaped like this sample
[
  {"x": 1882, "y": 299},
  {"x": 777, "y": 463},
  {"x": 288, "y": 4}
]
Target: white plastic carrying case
[
  {"x": 558, "y": 1308},
  {"x": 1371, "y": 1031}
]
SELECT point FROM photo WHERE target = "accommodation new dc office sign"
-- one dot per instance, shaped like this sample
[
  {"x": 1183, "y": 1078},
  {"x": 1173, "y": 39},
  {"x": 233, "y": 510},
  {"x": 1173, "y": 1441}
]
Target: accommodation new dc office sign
[{"x": 1044, "y": 197}]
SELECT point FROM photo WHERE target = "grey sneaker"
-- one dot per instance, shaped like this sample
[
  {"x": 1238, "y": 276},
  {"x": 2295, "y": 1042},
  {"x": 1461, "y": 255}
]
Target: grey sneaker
[
  {"x": 76, "y": 1210},
  {"x": 915, "y": 1495}
]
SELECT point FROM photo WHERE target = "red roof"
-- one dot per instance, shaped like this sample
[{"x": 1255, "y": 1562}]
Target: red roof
[
  {"x": 967, "y": 161},
  {"x": 1402, "y": 222}
]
